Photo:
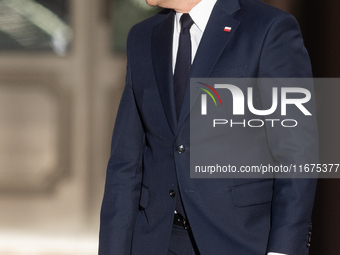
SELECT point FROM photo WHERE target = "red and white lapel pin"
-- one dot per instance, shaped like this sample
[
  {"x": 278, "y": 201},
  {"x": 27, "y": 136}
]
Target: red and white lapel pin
[{"x": 227, "y": 29}]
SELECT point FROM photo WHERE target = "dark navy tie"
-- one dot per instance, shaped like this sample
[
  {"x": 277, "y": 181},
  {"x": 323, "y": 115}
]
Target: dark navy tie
[
  {"x": 183, "y": 61},
  {"x": 181, "y": 75}
]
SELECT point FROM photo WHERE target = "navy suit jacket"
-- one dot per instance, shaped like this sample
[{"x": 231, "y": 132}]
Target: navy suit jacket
[{"x": 227, "y": 216}]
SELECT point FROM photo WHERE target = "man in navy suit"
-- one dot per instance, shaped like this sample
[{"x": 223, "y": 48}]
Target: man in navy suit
[{"x": 148, "y": 174}]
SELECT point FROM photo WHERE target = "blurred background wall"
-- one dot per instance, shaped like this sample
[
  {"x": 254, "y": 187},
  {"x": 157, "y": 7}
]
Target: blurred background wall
[{"x": 62, "y": 69}]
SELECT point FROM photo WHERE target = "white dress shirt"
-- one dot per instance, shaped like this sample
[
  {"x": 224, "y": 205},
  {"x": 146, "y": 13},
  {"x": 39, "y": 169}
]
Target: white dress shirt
[{"x": 200, "y": 14}]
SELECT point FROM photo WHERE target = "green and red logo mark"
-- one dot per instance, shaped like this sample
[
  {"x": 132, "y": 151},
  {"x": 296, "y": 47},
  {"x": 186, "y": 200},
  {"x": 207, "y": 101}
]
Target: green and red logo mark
[{"x": 204, "y": 97}]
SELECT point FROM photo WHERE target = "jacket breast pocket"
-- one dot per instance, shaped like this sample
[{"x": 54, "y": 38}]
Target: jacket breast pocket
[
  {"x": 233, "y": 72},
  {"x": 144, "y": 197},
  {"x": 255, "y": 193}
]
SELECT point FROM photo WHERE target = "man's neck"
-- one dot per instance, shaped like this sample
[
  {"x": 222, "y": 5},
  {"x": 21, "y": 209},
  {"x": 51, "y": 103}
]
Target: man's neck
[{"x": 186, "y": 6}]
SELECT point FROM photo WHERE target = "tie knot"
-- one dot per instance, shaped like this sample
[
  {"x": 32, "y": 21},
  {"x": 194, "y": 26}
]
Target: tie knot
[{"x": 186, "y": 21}]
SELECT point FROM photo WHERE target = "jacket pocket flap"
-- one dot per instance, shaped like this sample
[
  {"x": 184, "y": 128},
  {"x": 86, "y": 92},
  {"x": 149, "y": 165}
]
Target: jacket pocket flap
[
  {"x": 256, "y": 193},
  {"x": 144, "y": 197}
]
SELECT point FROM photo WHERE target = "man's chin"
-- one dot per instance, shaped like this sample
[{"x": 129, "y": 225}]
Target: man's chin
[{"x": 152, "y": 3}]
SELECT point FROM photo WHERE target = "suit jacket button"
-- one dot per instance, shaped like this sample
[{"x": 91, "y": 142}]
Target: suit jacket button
[
  {"x": 180, "y": 149},
  {"x": 172, "y": 193}
]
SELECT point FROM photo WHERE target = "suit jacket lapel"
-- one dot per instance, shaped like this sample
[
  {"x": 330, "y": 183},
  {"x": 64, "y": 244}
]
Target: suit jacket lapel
[
  {"x": 162, "y": 62},
  {"x": 212, "y": 44}
]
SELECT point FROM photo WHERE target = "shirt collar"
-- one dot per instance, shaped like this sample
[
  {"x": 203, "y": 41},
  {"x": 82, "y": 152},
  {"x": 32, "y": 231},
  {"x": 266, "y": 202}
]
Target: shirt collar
[{"x": 200, "y": 14}]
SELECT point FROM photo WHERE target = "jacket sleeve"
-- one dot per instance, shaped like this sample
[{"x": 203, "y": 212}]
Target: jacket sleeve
[
  {"x": 124, "y": 172},
  {"x": 284, "y": 56}
]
